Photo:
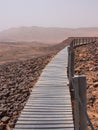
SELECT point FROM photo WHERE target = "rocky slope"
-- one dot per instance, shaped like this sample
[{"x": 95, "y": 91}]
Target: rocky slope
[
  {"x": 17, "y": 78},
  {"x": 86, "y": 63},
  {"x": 16, "y": 81}
]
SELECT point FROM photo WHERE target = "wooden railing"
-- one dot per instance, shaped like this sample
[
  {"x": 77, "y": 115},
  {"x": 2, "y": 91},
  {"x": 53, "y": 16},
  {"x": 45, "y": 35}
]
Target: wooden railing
[
  {"x": 77, "y": 85},
  {"x": 78, "y": 41}
]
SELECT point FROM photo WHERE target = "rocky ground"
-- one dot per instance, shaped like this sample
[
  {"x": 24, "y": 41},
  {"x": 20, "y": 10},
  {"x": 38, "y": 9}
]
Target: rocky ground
[
  {"x": 16, "y": 81},
  {"x": 86, "y": 63},
  {"x": 20, "y": 68},
  {"x": 11, "y": 51}
]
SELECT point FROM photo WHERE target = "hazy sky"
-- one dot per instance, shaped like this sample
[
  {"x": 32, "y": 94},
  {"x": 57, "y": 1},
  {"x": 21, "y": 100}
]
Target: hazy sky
[{"x": 48, "y": 13}]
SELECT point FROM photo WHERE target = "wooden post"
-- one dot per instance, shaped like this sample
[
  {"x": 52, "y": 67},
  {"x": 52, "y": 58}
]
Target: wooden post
[
  {"x": 74, "y": 42},
  {"x": 82, "y": 41},
  {"x": 79, "y": 41},
  {"x": 70, "y": 66},
  {"x": 85, "y": 41},
  {"x": 76, "y": 103},
  {"x": 79, "y": 83},
  {"x": 72, "y": 62},
  {"x": 88, "y": 40},
  {"x": 68, "y": 62},
  {"x": 82, "y": 94},
  {"x": 95, "y": 39}
]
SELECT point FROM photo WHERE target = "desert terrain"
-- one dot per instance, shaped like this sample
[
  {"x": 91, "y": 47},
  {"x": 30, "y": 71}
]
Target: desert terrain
[
  {"x": 45, "y": 35},
  {"x": 12, "y": 51},
  {"x": 20, "y": 67},
  {"x": 86, "y": 63},
  {"x": 24, "y": 52}
]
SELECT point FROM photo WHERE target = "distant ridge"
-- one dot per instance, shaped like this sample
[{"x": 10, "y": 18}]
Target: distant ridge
[{"x": 43, "y": 34}]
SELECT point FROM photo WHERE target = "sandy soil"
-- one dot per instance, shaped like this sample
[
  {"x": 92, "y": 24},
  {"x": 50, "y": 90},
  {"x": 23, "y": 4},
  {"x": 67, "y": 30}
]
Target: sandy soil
[{"x": 10, "y": 51}]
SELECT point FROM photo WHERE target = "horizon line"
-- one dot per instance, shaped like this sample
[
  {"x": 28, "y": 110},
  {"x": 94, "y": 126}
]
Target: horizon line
[{"x": 27, "y": 26}]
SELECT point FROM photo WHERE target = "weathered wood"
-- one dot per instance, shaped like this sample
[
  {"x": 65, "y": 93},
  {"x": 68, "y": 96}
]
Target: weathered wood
[
  {"x": 44, "y": 122},
  {"x": 45, "y": 129},
  {"x": 46, "y": 116},
  {"x": 46, "y": 119},
  {"x": 79, "y": 83},
  {"x": 49, "y": 105},
  {"x": 54, "y": 126},
  {"x": 82, "y": 94},
  {"x": 82, "y": 41},
  {"x": 70, "y": 66},
  {"x": 76, "y": 103},
  {"x": 47, "y": 110}
]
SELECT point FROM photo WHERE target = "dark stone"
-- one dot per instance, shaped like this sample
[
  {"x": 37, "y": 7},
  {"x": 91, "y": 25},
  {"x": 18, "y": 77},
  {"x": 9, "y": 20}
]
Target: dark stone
[
  {"x": 2, "y": 126},
  {"x": 5, "y": 119},
  {"x": 95, "y": 84},
  {"x": 2, "y": 113},
  {"x": 91, "y": 99}
]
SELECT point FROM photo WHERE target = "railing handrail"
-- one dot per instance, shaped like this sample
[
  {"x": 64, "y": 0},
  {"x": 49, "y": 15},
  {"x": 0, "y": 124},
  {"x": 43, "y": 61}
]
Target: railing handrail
[
  {"x": 78, "y": 41},
  {"x": 82, "y": 41}
]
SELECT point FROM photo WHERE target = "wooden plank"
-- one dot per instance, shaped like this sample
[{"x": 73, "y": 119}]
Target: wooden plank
[
  {"x": 48, "y": 100},
  {"x": 45, "y": 129},
  {"x": 53, "y": 97},
  {"x": 45, "y": 122},
  {"x": 46, "y": 112},
  {"x": 49, "y": 106},
  {"x": 44, "y": 126},
  {"x": 45, "y": 119},
  {"x": 47, "y": 96},
  {"x": 45, "y": 100},
  {"x": 46, "y": 116}
]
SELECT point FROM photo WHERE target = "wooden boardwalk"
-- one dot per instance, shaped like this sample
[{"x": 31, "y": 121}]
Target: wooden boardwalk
[{"x": 49, "y": 105}]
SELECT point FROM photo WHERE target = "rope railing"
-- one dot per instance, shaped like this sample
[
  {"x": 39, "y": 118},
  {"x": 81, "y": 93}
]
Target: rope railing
[{"x": 78, "y": 86}]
